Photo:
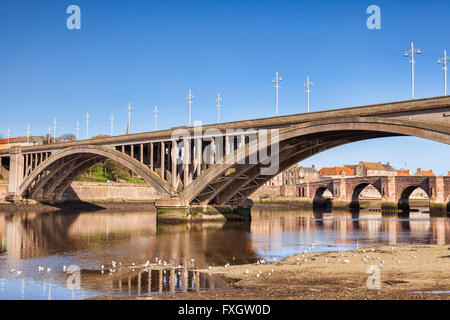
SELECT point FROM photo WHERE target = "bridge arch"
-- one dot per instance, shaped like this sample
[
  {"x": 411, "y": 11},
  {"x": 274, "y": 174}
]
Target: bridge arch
[
  {"x": 298, "y": 142},
  {"x": 356, "y": 193},
  {"x": 404, "y": 198},
  {"x": 55, "y": 174},
  {"x": 320, "y": 198}
]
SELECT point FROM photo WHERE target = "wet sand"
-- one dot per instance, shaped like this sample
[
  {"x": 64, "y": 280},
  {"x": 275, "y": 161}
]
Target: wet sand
[{"x": 421, "y": 268}]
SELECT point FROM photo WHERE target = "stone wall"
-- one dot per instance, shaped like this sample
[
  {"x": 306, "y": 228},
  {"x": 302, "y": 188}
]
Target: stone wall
[
  {"x": 3, "y": 190},
  {"x": 89, "y": 191}
]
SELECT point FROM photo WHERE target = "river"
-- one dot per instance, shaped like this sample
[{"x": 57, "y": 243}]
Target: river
[{"x": 86, "y": 241}]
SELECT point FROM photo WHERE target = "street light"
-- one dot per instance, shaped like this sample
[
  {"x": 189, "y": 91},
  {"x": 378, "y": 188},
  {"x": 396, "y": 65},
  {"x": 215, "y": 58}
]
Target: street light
[
  {"x": 443, "y": 61},
  {"x": 87, "y": 125},
  {"x": 276, "y": 80},
  {"x": 411, "y": 53},
  {"x": 155, "y": 113},
  {"x": 78, "y": 127},
  {"x": 307, "y": 85},
  {"x": 111, "y": 119},
  {"x": 129, "y": 118},
  {"x": 54, "y": 131},
  {"x": 189, "y": 100},
  {"x": 218, "y": 101}
]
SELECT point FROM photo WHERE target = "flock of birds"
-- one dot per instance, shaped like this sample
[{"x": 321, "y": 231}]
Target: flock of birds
[{"x": 117, "y": 266}]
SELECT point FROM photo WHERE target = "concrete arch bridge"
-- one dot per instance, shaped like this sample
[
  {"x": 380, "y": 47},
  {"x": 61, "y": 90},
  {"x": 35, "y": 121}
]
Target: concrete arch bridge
[{"x": 217, "y": 167}]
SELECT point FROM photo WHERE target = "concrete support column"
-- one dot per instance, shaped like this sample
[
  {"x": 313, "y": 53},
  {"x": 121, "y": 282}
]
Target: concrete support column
[
  {"x": 132, "y": 151},
  {"x": 186, "y": 161},
  {"x": 141, "y": 153},
  {"x": 211, "y": 152},
  {"x": 198, "y": 156},
  {"x": 174, "y": 165},
  {"x": 15, "y": 174},
  {"x": 163, "y": 154},
  {"x": 151, "y": 155}
]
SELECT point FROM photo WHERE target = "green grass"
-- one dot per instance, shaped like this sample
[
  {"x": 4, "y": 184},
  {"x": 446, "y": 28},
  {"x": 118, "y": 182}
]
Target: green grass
[{"x": 1, "y": 177}]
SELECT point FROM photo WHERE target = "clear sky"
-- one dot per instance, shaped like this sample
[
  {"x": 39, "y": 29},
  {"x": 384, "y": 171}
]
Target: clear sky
[{"x": 151, "y": 52}]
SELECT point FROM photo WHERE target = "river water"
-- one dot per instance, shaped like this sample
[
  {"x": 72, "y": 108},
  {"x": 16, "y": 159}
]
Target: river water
[{"x": 86, "y": 241}]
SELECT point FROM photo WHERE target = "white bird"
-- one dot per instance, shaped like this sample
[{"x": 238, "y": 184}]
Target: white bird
[
  {"x": 210, "y": 267},
  {"x": 147, "y": 263},
  {"x": 246, "y": 271},
  {"x": 298, "y": 259},
  {"x": 40, "y": 268},
  {"x": 64, "y": 268},
  {"x": 156, "y": 259},
  {"x": 49, "y": 269},
  {"x": 227, "y": 265},
  {"x": 392, "y": 248},
  {"x": 19, "y": 273},
  {"x": 257, "y": 275},
  {"x": 346, "y": 261},
  {"x": 271, "y": 270},
  {"x": 165, "y": 263},
  {"x": 103, "y": 266},
  {"x": 133, "y": 264},
  {"x": 269, "y": 274},
  {"x": 372, "y": 249},
  {"x": 305, "y": 260},
  {"x": 12, "y": 270},
  {"x": 398, "y": 261},
  {"x": 326, "y": 260},
  {"x": 414, "y": 257},
  {"x": 113, "y": 263}
]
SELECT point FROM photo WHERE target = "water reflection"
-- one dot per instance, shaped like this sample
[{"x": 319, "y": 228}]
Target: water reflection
[{"x": 92, "y": 239}]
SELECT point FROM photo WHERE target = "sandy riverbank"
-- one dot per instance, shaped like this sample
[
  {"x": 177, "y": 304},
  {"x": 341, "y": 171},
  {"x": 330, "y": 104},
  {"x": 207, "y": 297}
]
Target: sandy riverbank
[{"x": 421, "y": 268}]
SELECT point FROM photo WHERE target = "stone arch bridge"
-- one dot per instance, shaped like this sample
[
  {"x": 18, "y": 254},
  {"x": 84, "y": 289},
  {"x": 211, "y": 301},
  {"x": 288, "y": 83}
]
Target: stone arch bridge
[
  {"x": 394, "y": 190},
  {"x": 220, "y": 165}
]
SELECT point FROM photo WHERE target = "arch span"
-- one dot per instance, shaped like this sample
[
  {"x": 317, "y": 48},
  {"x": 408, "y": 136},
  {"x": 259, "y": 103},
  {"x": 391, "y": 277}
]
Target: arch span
[
  {"x": 217, "y": 186},
  {"x": 55, "y": 174},
  {"x": 355, "y": 200}
]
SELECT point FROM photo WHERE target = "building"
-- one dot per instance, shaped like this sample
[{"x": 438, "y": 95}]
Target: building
[
  {"x": 427, "y": 173},
  {"x": 335, "y": 173},
  {"x": 403, "y": 173},
  {"x": 368, "y": 169},
  {"x": 294, "y": 176}
]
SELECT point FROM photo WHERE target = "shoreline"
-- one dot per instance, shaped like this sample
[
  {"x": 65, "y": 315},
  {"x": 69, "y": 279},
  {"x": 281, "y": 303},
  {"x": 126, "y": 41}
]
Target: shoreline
[{"x": 421, "y": 268}]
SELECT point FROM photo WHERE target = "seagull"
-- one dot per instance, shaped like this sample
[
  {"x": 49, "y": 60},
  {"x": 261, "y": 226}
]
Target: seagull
[
  {"x": 227, "y": 265},
  {"x": 113, "y": 263},
  {"x": 146, "y": 264},
  {"x": 103, "y": 266},
  {"x": 12, "y": 270},
  {"x": 414, "y": 257},
  {"x": 305, "y": 260},
  {"x": 346, "y": 261},
  {"x": 156, "y": 259},
  {"x": 372, "y": 249},
  {"x": 271, "y": 270},
  {"x": 40, "y": 268},
  {"x": 326, "y": 260},
  {"x": 268, "y": 274},
  {"x": 297, "y": 259},
  {"x": 246, "y": 271},
  {"x": 257, "y": 275},
  {"x": 398, "y": 261},
  {"x": 19, "y": 273},
  {"x": 64, "y": 268},
  {"x": 165, "y": 263},
  {"x": 210, "y": 267},
  {"x": 49, "y": 269}
]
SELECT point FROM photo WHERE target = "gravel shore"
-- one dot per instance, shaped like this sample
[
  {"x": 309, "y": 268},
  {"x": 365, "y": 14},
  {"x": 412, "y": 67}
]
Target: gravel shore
[{"x": 336, "y": 275}]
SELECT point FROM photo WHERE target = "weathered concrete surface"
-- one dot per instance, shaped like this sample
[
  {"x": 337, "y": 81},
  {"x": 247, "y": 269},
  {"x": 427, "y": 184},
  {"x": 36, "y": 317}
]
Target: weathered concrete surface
[{"x": 110, "y": 192}]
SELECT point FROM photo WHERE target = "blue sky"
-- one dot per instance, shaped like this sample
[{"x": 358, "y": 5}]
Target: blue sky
[{"x": 151, "y": 52}]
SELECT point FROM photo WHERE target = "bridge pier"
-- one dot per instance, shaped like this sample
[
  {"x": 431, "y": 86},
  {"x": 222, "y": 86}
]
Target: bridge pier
[
  {"x": 176, "y": 210},
  {"x": 16, "y": 171}
]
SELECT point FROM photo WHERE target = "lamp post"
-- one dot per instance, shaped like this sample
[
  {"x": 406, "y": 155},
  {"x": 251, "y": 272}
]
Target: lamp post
[
  {"x": 129, "y": 117},
  {"x": 276, "y": 80},
  {"x": 155, "y": 113},
  {"x": 54, "y": 131},
  {"x": 111, "y": 119},
  {"x": 307, "y": 85},
  {"x": 218, "y": 101},
  {"x": 189, "y": 100},
  {"x": 443, "y": 61},
  {"x": 411, "y": 53},
  {"x": 87, "y": 124},
  {"x": 28, "y": 133}
]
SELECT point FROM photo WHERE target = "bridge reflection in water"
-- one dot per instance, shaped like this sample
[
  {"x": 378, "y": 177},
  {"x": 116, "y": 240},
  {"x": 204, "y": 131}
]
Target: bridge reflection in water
[{"x": 92, "y": 239}]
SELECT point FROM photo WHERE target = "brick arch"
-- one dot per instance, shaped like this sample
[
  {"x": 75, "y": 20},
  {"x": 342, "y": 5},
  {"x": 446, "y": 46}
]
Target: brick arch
[
  {"x": 61, "y": 168},
  {"x": 356, "y": 192},
  {"x": 403, "y": 197}
]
